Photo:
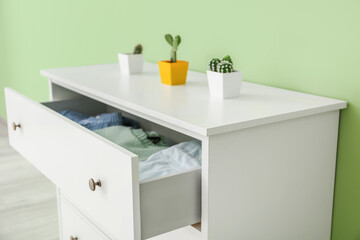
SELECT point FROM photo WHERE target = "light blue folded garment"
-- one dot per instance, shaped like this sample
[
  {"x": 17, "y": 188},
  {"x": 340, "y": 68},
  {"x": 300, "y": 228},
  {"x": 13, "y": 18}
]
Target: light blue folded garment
[
  {"x": 100, "y": 121},
  {"x": 180, "y": 157}
]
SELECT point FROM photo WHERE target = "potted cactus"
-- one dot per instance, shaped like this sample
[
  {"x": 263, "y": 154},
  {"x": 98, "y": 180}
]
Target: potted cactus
[
  {"x": 223, "y": 80},
  {"x": 131, "y": 63},
  {"x": 173, "y": 72}
]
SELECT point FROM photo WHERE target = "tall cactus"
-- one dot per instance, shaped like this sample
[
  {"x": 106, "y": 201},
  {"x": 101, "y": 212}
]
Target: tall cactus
[
  {"x": 174, "y": 43},
  {"x": 138, "y": 49}
]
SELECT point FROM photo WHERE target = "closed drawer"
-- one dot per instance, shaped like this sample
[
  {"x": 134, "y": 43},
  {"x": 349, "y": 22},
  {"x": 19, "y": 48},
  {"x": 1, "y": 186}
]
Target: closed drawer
[
  {"x": 74, "y": 226},
  {"x": 70, "y": 155}
]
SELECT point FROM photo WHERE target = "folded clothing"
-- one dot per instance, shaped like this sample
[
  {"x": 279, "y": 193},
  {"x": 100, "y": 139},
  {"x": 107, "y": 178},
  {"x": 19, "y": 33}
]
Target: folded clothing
[
  {"x": 99, "y": 121},
  {"x": 180, "y": 157},
  {"x": 155, "y": 157},
  {"x": 134, "y": 140}
]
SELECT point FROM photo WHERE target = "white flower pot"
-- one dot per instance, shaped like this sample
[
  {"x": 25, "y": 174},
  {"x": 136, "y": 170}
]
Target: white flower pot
[
  {"x": 224, "y": 85},
  {"x": 131, "y": 63}
]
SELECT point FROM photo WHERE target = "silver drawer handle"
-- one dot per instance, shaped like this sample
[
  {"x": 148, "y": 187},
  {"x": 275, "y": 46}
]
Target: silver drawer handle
[
  {"x": 93, "y": 184},
  {"x": 73, "y": 238},
  {"x": 15, "y": 126}
]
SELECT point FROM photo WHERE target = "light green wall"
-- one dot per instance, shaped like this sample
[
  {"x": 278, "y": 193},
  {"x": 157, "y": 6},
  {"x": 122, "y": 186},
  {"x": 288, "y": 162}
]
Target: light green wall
[{"x": 311, "y": 46}]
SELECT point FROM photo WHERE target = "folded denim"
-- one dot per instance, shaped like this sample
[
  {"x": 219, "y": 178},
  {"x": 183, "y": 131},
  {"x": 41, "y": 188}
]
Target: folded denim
[{"x": 100, "y": 121}]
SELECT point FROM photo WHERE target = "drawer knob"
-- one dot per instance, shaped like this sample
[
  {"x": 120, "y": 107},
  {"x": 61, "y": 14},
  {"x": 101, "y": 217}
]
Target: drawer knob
[
  {"x": 93, "y": 184},
  {"x": 15, "y": 126},
  {"x": 73, "y": 238}
]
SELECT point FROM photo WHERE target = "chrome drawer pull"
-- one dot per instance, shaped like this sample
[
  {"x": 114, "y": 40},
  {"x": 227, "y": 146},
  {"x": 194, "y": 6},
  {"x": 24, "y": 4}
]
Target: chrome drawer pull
[
  {"x": 93, "y": 184},
  {"x": 73, "y": 238},
  {"x": 14, "y": 126}
]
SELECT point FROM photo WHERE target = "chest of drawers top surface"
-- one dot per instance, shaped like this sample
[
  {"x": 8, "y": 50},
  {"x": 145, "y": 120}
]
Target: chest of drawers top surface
[{"x": 189, "y": 106}]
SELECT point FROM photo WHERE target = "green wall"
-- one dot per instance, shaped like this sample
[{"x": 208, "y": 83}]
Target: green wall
[{"x": 310, "y": 46}]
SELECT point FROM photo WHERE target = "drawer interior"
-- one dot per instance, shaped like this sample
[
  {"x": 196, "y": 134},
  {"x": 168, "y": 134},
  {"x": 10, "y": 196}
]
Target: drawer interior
[{"x": 92, "y": 107}]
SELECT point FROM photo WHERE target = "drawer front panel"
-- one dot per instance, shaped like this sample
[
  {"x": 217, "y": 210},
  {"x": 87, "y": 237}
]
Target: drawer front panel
[
  {"x": 69, "y": 155},
  {"x": 74, "y": 226}
]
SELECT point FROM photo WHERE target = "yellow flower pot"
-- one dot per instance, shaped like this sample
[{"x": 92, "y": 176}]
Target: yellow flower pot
[{"x": 173, "y": 73}]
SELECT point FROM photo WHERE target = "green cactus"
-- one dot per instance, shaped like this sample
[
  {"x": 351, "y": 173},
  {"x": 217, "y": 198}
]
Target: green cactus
[
  {"x": 227, "y": 58},
  {"x": 225, "y": 67},
  {"x": 213, "y": 64},
  {"x": 174, "y": 43},
  {"x": 138, "y": 49}
]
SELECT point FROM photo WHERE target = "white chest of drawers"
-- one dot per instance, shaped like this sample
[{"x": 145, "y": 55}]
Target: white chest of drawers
[{"x": 268, "y": 158}]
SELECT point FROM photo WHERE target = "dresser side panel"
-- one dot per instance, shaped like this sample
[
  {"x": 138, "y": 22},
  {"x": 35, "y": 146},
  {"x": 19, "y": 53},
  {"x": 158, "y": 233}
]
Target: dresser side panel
[{"x": 274, "y": 181}]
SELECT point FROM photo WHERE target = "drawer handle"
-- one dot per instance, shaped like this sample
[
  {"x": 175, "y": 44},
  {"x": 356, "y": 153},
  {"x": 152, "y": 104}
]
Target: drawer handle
[
  {"x": 73, "y": 238},
  {"x": 93, "y": 184},
  {"x": 15, "y": 126}
]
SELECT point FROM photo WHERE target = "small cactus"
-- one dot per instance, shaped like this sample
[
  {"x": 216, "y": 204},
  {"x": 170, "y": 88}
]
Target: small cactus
[
  {"x": 174, "y": 43},
  {"x": 225, "y": 67},
  {"x": 227, "y": 58},
  {"x": 138, "y": 49},
  {"x": 213, "y": 64}
]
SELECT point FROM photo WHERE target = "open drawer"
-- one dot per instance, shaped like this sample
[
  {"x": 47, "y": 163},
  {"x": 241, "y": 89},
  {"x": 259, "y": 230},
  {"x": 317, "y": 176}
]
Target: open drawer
[{"x": 71, "y": 155}]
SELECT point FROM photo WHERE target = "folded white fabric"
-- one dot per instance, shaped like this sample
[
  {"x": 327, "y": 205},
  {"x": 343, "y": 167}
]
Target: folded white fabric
[{"x": 180, "y": 157}]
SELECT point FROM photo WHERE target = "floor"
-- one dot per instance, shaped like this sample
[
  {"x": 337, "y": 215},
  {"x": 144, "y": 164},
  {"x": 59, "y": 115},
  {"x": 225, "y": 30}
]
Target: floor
[{"x": 28, "y": 208}]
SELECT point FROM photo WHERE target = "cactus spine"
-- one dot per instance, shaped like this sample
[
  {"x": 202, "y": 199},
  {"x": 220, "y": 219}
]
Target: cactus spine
[
  {"x": 138, "y": 49},
  {"x": 213, "y": 64},
  {"x": 225, "y": 67},
  {"x": 174, "y": 43}
]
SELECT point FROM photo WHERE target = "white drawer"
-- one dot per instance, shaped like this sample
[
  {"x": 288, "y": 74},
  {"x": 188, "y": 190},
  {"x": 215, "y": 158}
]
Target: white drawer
[
  {"x": 74, "y": 226},
  {"x": 69, "y": 155}
]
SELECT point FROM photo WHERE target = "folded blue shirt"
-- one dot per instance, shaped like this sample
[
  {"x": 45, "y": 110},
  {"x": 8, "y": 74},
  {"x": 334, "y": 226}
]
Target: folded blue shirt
[{"x": 100, "y": 121}]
